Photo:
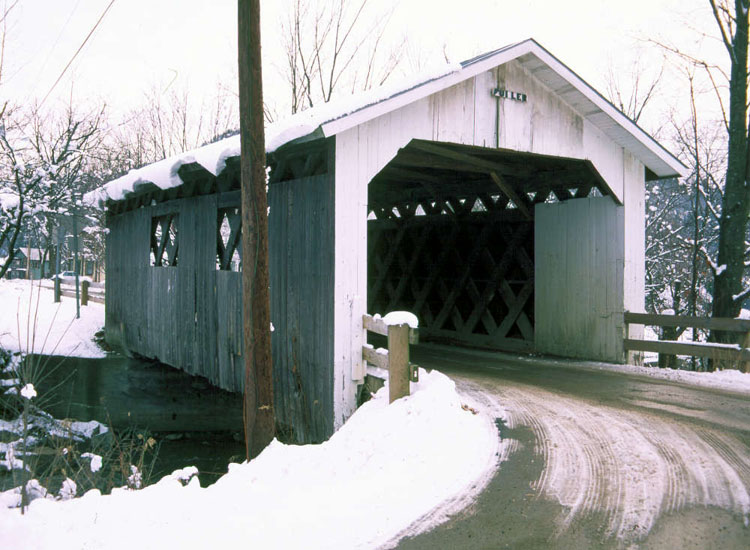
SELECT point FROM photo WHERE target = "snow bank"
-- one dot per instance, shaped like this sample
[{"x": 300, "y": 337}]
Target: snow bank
[
  {"x": 32, "y": 322},
  {"x": 727, "y": 380},
  {"x": 213, "y": 156},
  {"x": 387, "y": 467}
]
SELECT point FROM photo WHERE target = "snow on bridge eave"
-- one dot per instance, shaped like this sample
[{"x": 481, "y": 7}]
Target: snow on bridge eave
[
  {"x": 331, "y": 118},
  {"x": 554, "y": 74}
]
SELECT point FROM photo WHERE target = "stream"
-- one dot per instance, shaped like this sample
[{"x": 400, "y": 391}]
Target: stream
[{"x": 194, "y": 423}]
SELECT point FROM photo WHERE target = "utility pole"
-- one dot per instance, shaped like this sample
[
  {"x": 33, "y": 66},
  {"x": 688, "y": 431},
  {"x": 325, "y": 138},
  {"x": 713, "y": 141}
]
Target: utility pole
[
  {"x": 59, "y": 239},
  {"x": 75, "y": 261},
  {"x": 258, "y": 401}
]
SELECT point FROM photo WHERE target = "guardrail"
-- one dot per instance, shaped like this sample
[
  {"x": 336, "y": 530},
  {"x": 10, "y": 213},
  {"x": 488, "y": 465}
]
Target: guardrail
[
  {"x": 396, "y": 358},
  {"x": 90, "y": 291},
  {"x": 736, "y": 354}
]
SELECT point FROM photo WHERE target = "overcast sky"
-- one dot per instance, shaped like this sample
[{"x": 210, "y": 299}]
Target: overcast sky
[{"x": 146, "y": 43}]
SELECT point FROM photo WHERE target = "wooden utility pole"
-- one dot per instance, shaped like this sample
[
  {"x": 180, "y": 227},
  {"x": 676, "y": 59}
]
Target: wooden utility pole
[{"x": 256, "y": 306}]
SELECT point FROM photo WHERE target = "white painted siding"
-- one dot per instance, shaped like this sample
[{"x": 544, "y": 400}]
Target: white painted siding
[
  {"x": 578, "y": 276},
  {"x": 635, "y": 245},
  {"x": 467, "y": 113}
]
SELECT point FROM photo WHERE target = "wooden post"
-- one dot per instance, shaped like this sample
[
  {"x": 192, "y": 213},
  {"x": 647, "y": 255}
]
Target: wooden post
[
  {"x": 745, "y": 365},
  {"x": 256, "y": 306},
  {"x": 398, "y": 361},
  {"x": 85, "y": 293},
  {"x": 57, "y": 289}
]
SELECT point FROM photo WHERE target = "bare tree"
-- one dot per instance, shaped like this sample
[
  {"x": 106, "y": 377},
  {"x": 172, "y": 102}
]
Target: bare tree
[
  {"x": 42, "y": 159},
  {"x": 172, "y": 120},
  {"x": 729, "y": 293},
  {"x": 333, "y": 44},
  {"x": 631, "y": 91}
]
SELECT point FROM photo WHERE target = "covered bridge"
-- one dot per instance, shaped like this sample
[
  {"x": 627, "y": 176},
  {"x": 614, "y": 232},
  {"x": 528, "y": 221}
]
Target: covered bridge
[{"x": 501, "y": 200}]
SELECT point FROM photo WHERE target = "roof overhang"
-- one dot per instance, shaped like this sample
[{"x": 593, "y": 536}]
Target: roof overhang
[{"x": 571, "y": 88}]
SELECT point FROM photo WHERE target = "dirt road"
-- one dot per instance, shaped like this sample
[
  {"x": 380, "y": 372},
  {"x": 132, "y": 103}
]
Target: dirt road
[{"x": 600, "y": 459}]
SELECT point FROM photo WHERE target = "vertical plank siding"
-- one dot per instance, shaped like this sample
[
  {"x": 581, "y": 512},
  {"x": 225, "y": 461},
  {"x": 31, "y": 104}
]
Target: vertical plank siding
[
  {"x": 189, "y": 315},
  {"x": 579, "y": 256},
  {"x": 301, "y": 241}
]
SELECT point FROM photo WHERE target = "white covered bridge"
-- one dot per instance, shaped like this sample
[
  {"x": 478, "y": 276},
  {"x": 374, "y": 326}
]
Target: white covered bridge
[{"x": 501, "y": 200}]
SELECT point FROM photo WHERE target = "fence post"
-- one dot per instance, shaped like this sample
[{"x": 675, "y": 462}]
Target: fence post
[
  {"x": 85, "y": 293},
  {"x": 745, "y": 365},
  {"x": 398, "y": 361},
  {"x": 57, "y": 289}
]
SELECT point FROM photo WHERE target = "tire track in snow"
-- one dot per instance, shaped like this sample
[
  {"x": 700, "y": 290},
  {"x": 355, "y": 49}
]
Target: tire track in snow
[
  {"x": 491, "y": 410},
  {"x": 632, "y": 465}
]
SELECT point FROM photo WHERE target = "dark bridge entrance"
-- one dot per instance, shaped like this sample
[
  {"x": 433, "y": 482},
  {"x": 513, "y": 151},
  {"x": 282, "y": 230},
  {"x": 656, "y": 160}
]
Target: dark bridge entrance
[{"x": 451, "y": 237}]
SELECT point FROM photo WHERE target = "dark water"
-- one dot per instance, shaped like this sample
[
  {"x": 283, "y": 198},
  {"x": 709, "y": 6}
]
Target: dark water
[{"x": 194, "y": 423}]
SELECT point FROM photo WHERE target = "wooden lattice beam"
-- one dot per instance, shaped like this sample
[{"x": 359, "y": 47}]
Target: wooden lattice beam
[{"x": 520, "y": 202}]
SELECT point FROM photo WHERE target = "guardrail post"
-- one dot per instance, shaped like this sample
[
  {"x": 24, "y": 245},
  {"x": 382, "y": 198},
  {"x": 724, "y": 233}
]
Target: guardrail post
[
  {"x": 745, "y": 365},
  {"x": 57, "y": 290},
  {"x": 398, "y": 362},
  {"x": 84, "y": 293}
]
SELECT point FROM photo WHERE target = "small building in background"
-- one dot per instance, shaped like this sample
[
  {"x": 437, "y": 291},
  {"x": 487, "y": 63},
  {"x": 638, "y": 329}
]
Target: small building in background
[{"x": 501, "y": 200}]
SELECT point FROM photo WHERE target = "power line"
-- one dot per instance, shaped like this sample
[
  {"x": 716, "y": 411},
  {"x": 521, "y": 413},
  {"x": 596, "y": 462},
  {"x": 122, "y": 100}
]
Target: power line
[
  {"x": 77, "y": 52},
  {"x": 57, "y": 40}
]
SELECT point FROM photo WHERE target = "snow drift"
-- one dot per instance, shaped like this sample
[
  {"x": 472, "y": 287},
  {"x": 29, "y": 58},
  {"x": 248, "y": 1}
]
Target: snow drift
[{"x": 387, "y": 467}]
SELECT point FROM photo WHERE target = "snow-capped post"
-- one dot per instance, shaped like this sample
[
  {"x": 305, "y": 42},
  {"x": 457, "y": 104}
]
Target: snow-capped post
[
  {"x": 401, "y": 329},
  {"x": 258, "y": 401}
]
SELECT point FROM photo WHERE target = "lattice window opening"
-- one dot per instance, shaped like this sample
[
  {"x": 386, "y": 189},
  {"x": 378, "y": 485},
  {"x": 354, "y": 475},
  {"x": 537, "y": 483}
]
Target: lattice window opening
[
  {"x": 164, "y": 240},
  {"x": 479, "y": 206},
  {"x": 229, "y": 239}
]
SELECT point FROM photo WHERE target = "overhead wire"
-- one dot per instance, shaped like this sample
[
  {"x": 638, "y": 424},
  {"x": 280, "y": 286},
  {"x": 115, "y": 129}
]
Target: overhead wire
[
  {"x": 57, "y": 40},
  {"x": 59, "y": 78}
]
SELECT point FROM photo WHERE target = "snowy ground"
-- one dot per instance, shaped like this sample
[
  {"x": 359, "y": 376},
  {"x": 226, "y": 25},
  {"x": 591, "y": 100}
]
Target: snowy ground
[
  {"x": 623, "y": 449},
  {"x": 32, "y": 322},
  {"x": 728, "y": 380},
  {"x": 381, "y": 474}
]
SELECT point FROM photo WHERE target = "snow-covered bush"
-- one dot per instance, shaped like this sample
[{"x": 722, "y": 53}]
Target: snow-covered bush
[{"x": 44, "y": 457}]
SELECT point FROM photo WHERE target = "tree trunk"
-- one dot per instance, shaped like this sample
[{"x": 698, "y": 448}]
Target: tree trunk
[
  {"x": 734, "y": 211},
  {"x": 258, "y": 402}
]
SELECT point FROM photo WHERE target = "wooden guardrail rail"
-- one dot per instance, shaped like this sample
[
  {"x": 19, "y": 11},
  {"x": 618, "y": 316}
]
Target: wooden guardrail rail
[
  {"x": 396, "y": 358},
  {"x": 739, "y": 353}
]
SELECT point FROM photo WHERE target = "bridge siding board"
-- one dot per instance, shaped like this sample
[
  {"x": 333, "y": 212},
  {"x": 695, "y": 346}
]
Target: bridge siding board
[{"x": 301, "y": 244}]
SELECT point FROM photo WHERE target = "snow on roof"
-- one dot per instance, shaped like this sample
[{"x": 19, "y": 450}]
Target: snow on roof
[
  {"x": 213, "y": 156},
  {"x": 34, "y": 254},
  {"x": 346, "y": 112}
]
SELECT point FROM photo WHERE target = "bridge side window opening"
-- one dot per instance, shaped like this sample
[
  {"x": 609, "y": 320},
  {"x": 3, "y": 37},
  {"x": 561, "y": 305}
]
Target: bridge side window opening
[
  {"x": 164, "y": 240},
  {"x": 229, "y": 239}
]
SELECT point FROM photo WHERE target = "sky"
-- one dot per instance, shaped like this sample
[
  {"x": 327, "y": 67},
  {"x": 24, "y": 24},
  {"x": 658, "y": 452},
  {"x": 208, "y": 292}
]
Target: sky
[{"x": 142, "y": 44}]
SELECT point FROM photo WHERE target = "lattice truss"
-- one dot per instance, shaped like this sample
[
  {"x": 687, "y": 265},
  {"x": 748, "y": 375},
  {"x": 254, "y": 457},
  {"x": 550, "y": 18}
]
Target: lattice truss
[
  {"x": 229, "y": 239},
  {"x": 164, "y": 240},
  {"x": 451, "y": 236},
  {"x": 460, "y": 279}
]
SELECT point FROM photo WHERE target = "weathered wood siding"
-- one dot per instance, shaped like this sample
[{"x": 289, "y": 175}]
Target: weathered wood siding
[
  {"x": 579, "y": 257},
  {"x": 189, "y": 315},
  {"x": 301, "y": 240}
]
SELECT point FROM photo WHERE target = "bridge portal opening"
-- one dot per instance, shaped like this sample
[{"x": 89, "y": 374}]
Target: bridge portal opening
[{"x": 451, "y": 232}]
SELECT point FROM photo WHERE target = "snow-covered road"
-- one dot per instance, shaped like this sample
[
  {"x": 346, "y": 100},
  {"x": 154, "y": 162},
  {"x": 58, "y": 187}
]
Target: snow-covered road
[{"x": 620, "y": 452}]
